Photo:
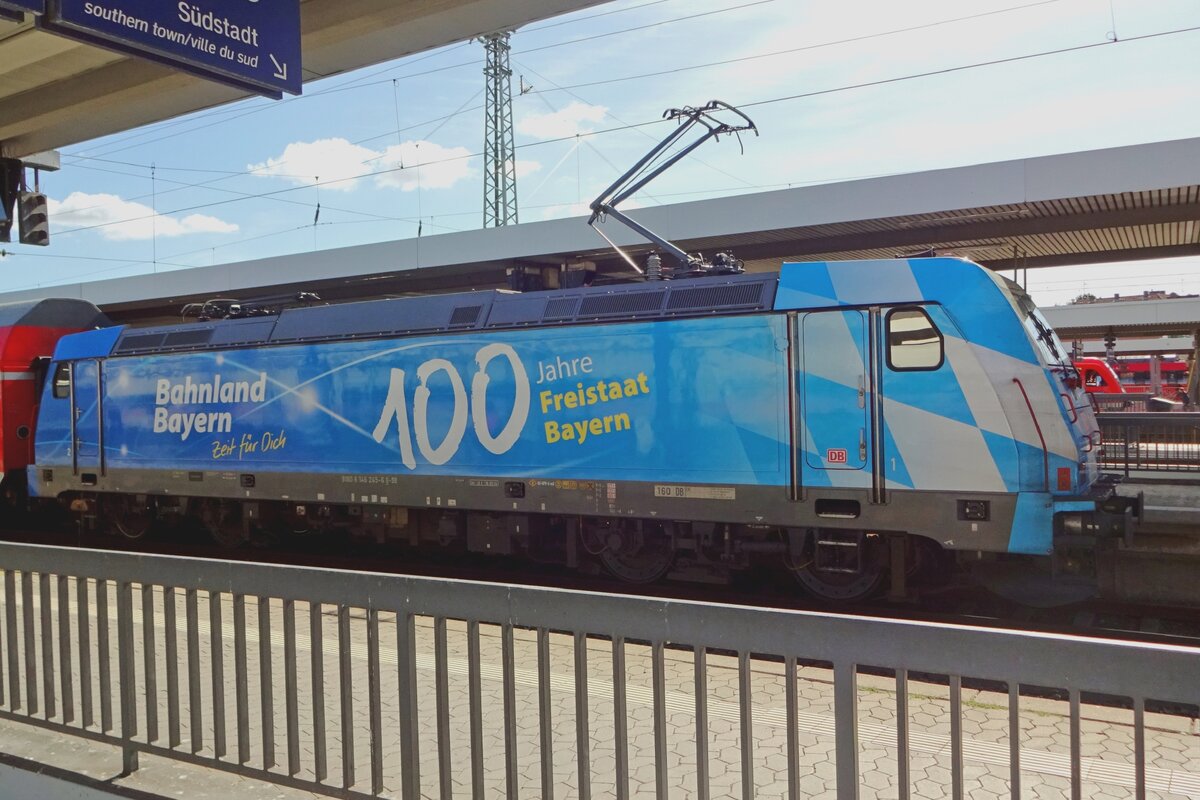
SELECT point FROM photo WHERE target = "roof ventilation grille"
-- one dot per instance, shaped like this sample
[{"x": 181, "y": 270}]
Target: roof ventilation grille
[
  {"x": 188, "y": 338},
  {"x": 465, "y": 315},
  {"x": 714, "y": 297},
  {"x": 141, "y": 341},
  {"x": 561, "y": 308},
  {"x": 623, "y": 303}
]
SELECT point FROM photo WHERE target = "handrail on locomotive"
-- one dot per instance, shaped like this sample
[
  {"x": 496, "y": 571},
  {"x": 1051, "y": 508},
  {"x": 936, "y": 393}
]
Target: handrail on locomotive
[{"x": 680, "y": 264}]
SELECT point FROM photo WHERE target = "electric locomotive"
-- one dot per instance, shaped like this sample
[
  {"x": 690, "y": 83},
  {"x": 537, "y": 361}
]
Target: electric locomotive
[
  {"x": 851, "y": 420},
  {"x": 842, "y": 417}
]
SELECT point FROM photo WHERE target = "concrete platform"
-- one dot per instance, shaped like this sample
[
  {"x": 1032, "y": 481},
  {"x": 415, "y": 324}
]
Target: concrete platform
[
  {"x": 1169, "y": 507},
  {"x": 1173, "y": 743}
]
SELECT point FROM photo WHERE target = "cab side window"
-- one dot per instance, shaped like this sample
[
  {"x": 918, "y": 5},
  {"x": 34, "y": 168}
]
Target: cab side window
[
  {"x": 62, "y": 381},
  {"x": 913, "y": 341}
]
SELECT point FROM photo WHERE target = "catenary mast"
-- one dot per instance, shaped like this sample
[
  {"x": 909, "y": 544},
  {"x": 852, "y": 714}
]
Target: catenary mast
[{"x": 499, "y": 156}]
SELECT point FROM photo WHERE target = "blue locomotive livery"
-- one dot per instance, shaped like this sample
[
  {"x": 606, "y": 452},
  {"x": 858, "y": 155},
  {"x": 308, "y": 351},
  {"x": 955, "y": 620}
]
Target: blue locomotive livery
[
  {"x": 631, "y": 402},
  {"x": 843, "y": 418}
]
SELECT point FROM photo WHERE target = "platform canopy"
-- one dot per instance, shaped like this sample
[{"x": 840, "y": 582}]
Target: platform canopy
[
  {"x": 1125, "y": 203},
  {"x": 1175, "y": 317},
  {"x": 56, "y": 92}
]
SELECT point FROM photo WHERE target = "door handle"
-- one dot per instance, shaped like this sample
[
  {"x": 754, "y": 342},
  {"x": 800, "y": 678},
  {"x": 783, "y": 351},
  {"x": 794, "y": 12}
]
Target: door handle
[
  {"x": 862, "y": 391},
  {"x": 862, "y": 444}
]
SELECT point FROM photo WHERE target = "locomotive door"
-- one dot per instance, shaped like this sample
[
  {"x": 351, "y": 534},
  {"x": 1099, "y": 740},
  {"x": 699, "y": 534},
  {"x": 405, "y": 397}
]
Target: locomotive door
[
  {"x": 85, "y": 401},
  {"x": 835, "y": 403}
]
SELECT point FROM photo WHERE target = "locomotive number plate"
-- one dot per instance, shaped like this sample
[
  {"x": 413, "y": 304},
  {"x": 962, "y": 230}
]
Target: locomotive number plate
[{"x": 696, "y": 492}]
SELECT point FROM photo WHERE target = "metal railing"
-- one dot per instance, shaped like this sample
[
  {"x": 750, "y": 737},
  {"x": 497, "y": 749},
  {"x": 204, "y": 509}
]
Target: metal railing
[
  {"x": 1136, "y": 402},
  {"x": 1130, "y": 401},
  {"x": 1150, "y": 442},
  {"x": 705, "y": 680}
]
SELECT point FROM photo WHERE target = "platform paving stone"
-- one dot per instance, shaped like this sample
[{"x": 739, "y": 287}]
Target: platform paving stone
[{"x": 1173, "y": 743}]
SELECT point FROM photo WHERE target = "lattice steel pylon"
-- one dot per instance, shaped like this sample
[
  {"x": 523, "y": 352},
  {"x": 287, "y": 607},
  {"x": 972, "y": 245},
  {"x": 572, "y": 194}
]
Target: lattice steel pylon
[{"x": 499, "y": 155}]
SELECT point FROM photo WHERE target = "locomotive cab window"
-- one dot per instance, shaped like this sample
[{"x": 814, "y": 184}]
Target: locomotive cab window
[
  {"x": 62, "y": 381},
  {"x": 913, "y": 341}
]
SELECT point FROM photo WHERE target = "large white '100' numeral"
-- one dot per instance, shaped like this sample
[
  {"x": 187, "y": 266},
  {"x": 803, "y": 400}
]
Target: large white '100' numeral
[
  {"x": 503, "y": 441},
  {"x": 458, "y": 423},
  {"x": 396, "y": 407}
]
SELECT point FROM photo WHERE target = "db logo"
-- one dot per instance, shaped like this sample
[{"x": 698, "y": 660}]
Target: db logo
[{"x": 836, "y": 456}]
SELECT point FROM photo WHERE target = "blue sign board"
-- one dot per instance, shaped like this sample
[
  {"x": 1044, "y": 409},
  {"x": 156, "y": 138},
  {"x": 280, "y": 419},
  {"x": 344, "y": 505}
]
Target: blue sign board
[
  {"x": 251, "y": 44},
  {"x": 32, "y": 6}
]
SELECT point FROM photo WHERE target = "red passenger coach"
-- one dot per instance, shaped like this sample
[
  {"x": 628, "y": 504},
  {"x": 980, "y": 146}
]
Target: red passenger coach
[{"x": 29, "y": 330}]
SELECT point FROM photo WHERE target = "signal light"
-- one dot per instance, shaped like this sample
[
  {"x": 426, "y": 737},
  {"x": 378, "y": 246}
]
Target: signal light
[{"x": 35, "y": 218}]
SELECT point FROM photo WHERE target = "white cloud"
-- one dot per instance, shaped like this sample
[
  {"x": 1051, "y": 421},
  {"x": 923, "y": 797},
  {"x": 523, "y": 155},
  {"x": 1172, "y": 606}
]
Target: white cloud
[
  {"x": 568, "y": 121},
  {"x": 336, "y": 163},
  {"x": 125, "y": 220},
  {"x": 341, "y": 165},
  {"x": 442, "y": 168},
  {"x": 566, "y": 210},
  {"x": 527, "y": 167}
]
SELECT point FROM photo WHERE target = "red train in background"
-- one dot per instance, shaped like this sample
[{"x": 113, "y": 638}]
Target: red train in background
[{"x": 29, "y": 330}]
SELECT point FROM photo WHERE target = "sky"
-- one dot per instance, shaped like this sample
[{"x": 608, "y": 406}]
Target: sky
[{"x": 838, "y": 91}]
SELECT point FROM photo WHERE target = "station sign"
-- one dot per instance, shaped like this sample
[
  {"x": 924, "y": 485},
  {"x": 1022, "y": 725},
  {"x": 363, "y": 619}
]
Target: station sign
[
  {"x": 21, "y": 6},
  {"x": 250, "y": 44}
]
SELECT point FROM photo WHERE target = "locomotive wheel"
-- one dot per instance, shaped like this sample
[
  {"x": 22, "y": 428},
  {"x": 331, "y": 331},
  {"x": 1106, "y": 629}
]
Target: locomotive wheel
[
  {"x": 636, "y": 551},
  {"x": 856, "y": 568},
  {"x": 223, "y": 522},
  {"x": 842, "y": 587},
  {"x": 129, "y": 518}
]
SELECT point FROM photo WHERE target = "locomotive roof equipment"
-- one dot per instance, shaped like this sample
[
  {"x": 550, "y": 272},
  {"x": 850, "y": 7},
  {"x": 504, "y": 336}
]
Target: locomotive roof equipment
[
  {"x": 679, "y": 264},
  {"x": 232, "y": 308}
]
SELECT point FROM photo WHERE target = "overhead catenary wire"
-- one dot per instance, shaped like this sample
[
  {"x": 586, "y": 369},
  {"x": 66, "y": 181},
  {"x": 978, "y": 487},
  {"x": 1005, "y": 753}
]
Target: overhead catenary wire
[
  {"x": 126, "y": 263},
  {"x": 817, "y": 45},
  {"x": 237, "y": 111},
  {"x": 574, "y": 20},
  {"x": 607, "y": 112},
  {"x": 326, "y": 206},
  {"x": 750, "y": 104},
  {"x": 230, "y": 174},
  {"x": 358, "y": 80},
  {"x": 362, "y": 82}
]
